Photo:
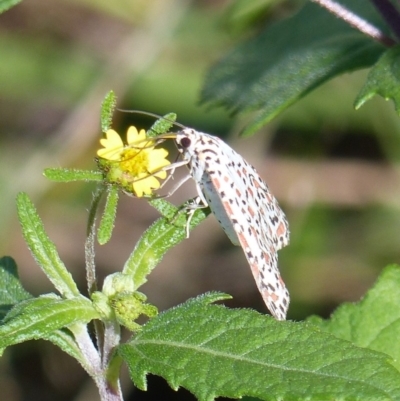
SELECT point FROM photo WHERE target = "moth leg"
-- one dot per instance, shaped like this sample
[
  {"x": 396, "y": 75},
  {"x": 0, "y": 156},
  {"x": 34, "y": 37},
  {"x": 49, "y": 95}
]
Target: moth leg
[
  {"x": 199, "y": 203},
  {"x": 172, "y": 167},
  {"x": 174, "y": 188}
]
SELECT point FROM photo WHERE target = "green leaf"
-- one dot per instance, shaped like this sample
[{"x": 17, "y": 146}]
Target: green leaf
[
  {"x": 374, "y": 322},
  {"x": 213, "y": 351},
  {"x": 107, "y": 110},
  {"x": 158, "y": 239},
  {"x": 6, "y": 4},
  {"x": 162, "y": 125},
  {"x": 68, "y": 175},
  {"x": 11, "y": 291},
  {"x": 108, "y": 219},
  {"x": 289, "y": 59},
  {"x": 166, "y": 209},
  {"x": 383, "y": 79},
  {"x": 39, "y": 317},
  {"x": 44, "y": 251}
]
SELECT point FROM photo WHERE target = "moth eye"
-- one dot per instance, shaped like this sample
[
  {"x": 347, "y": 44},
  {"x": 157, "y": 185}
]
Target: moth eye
[{"x": 185, "y": 142}]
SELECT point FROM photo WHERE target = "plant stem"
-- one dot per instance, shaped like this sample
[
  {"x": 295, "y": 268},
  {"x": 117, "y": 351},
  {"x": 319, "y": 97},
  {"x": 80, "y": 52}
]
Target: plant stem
[
  {"x": 89, "y": 244},
  {"x": 355, "y": 21},
  {"x": 108, "y": 385},
  {"x": 390, "y": 13},
  {"x": 90, "y": 259}
]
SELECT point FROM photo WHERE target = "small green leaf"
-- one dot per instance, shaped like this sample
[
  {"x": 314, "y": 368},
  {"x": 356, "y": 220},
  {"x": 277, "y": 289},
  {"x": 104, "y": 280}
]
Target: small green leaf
[
  {"x": 162, "y": 125},
  {"x": 383, "y": 79},
  {"x": 6, "y": 4},
  {"x": 107, "y": 110},
  {"x": 274, "y": 69},
  {"x": 157, "y": 240},
  {"x": 39, "y": 317},
  {"x": 165, "y": 208},
  {"x": 69, "y": 175},
  {"x": 374, "y": 322},
  {"x": 108, "y": 219},
  {"x": 213, "y": 351},
  {"x": 44, "y": 251},
  {"x": 11, "y": 289}
]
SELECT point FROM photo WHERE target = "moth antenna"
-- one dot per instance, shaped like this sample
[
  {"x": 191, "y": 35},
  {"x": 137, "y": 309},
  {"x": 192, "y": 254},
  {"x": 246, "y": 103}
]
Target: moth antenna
[{"x": 147, "y": 113}]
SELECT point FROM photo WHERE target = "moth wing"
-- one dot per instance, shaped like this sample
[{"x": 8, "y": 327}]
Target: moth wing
[
  {"x": 247, "y": 212},
  {"x": 272, "y": 218}
]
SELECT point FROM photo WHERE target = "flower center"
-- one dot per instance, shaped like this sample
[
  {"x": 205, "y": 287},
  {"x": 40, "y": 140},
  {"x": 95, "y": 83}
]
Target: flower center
[{"x": 135, "y": 161}]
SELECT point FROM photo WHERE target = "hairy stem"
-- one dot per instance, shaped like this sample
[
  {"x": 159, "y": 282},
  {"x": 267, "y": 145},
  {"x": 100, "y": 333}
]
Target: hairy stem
[
  {"x": 90, "y": 261},
  {"x": 89, "y": 244},
  {"x": 355, "y": 21}
]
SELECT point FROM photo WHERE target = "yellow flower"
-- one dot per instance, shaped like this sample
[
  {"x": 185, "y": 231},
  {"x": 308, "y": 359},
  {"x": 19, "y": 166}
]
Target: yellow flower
[{"x": 136, "y": 166}]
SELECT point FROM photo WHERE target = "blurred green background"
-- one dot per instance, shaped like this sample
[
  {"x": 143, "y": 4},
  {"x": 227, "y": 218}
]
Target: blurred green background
[{"x": 334, "y": 171}]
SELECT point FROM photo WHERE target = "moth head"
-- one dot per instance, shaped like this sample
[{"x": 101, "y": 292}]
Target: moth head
[{"x": 185, "y": 139}]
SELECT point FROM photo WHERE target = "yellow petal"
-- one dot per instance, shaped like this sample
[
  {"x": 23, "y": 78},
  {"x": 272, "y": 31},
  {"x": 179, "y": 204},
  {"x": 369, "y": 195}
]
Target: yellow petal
[
  {"x": 145, "y": 186},
  {"x": 113, "y": 146},
  {"x": 157, "y": 159},
  {"x": 160, "y": 153},
  {"x": 135, "y": 137}
]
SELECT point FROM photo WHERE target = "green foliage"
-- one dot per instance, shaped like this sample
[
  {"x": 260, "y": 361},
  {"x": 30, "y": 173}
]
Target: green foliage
[
  {"x": 107, "y": 110},
  {"x": 12, "y": 294},
  {"x": 162, "y": 125},
  {"x": 70, "y": 175},
  {"x": 62, "y": 320},
  {"x": 44, "y": 251},
  {"x": 374, "y": 322},
  {"x": 158, "y": 239},
  {"x": 209, "y": 349},
  {"x": 213, "y": 351},
  {"x": 38, "y": 317},
  {"x": 109, "y": 214},
  {"x": 274, "y": 69},
  {"x": 383, "y": 79}
]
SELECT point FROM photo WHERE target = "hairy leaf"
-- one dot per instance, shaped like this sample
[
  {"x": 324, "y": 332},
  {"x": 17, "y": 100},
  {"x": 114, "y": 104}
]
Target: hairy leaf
[
  {"x": 44, "y": 251},
  {"x": 39, "y": 317},
  {"x": 12, "y": 293},
  {"x": 107, "y": 110},
  {"x": 162, "y": 125},
  {"x": 161, "y": 236},
  {"x": 287, "y": 60},
  {"x": 374, "y": 322},
  {"x": 68, "y": 175},
  {"x": 213, "y": 351},
  {"x": 383, "y": 79},
  {"x": 108, "y": 218}
]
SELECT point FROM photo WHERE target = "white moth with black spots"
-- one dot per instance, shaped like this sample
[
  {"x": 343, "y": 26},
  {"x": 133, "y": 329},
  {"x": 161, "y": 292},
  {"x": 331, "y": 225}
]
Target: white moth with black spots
[{"x": 244, "y": 206}]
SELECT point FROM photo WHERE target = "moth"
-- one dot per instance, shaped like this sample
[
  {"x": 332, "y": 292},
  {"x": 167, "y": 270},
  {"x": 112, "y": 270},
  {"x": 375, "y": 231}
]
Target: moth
[{"x": 244, "y": 206}]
